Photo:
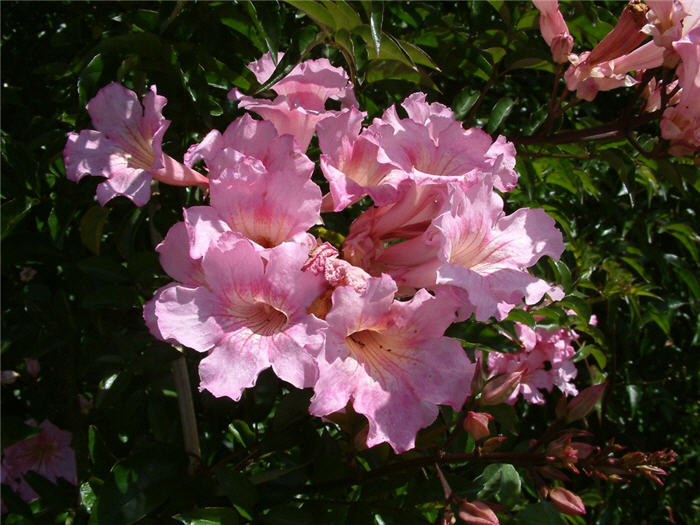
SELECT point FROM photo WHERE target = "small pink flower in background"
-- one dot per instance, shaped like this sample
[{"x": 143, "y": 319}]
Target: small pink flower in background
[
  {"x": 126, "y": 146},
  {"x": 49, "y": 454},
  {"x": 249, "y": 314},
  {"x": 301, "y": 96},
  {"x": 545, "y": 360},
  {"x": 554, "y": 29},
  {"x": 391, "y": 360}
]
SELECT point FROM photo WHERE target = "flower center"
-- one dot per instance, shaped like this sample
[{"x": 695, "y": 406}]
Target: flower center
[{"x": 264, "y": 319}]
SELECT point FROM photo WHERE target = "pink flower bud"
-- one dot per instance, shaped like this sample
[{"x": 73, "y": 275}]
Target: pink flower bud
[
  {"x": 580, "y": 406},
  {"x": 32, "y": 365},
  {"x": 477, "y": 424},
  {"x": 566, "y": 501},
  {"x": 499, "y": 389},
  {"x": 493, "y": 443},
  {"x": 477, "y": 513}
]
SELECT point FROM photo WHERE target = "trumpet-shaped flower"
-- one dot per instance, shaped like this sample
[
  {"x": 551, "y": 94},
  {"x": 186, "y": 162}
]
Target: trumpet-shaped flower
[
  {"x": 49, "y": 454},
  {"x": 349, "y": 162},
  {"x": 431, "y": 147},
  {"x": 301, "y": 96},
  {"x": 391, "y": 360},
  {"x": 260, "y": 185},
  {"x": 248, "y": 314},
  {"x": 484, "y": 254},
  {"x": 126, "y": 146}
]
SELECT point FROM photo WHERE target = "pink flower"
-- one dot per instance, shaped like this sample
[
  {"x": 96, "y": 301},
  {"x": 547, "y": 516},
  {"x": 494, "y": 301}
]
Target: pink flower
[
  {"x": 431, "y": 147},
  {"x": 324, "y": 261},
  {"x": 665, "y": 21},
  {"x": 49, "y": 454},
  {"x": 554, "y": 29},
  {"x": 249, "y": 314},
  {"x": 301, "y": 96},
  {"x": 484, "y": 254},
  {"x": 681, "y": 123},
  {"x": 260, "y": 186},
  {"x": 391, "y": 360},
  {"x": 126, "y": 147},
  {"x": 349, "y": 162},
  {"x": 545, "y": 362}
]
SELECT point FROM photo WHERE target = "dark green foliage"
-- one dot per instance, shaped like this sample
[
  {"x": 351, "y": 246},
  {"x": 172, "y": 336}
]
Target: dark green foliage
[{"x": 75, "y": 275}]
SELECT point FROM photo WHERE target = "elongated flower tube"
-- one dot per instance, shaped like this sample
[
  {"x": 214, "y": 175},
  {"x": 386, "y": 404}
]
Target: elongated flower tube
[
  {"x": 301, "y": 96},
  {"x": 249, "y": 315},
  {"x": 391, "y": 360},
  {"x": 126, "y": 146}
]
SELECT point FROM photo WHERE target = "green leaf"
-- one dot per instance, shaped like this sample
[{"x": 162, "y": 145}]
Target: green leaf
[
  {"x": 316, "y": 12},
  {"x": 521, "y": 316},
  {"x": 13, "y": 212},
  {"x": 268, "y": 23},
  {"x": 291, "y": 58},
  {"x": 500, "y": 481},
  {"x": 344, "y": 16},
  {"x": 239, "y": 491},
  {"x": 499, "y": 113},
  {"x": 581, "y": 307},
  {"x": 91, "y": 226},
  {"x": 464, "y": 101},
  {"x": 375, "y": 24},
  {"x": 138, "y": 485},
  {"x": 539, "y": 514},
  {"x": 208, "y": 516},
  {"x": 89, "y": 79}
]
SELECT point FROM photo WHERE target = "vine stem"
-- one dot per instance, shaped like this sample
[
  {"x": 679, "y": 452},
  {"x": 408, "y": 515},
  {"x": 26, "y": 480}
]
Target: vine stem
[{"x": 186, "y": 405}]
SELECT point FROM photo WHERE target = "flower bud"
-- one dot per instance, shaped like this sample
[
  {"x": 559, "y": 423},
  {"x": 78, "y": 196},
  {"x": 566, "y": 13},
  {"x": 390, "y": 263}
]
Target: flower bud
[
  {"x": 499, "y": 389},
  {"x": 477, "y": 424},
  {"x": 625, "y": 36},
  {"x": 477, "y": 513},
  {"x": 493, "y": 443},
  {"x": 566, "y": 501},
  {"x": 33, "y": 366},
  {"x": 580, "y": 406}
]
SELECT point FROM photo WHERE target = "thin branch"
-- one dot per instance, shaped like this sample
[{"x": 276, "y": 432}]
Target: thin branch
[{"x": 186, "y": 405}]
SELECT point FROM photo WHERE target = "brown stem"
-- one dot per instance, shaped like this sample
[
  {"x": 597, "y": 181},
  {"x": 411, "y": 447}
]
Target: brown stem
[
  {"x": 615, "y": 129},
  {"x": 186, "y": 405},
  {"x": 517, "y": 458}
]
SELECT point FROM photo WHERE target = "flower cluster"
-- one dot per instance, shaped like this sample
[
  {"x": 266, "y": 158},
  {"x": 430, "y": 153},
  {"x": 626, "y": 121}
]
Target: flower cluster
[
  {"x": 674, "y": 28},
  {"x": 363, "y": 325}
]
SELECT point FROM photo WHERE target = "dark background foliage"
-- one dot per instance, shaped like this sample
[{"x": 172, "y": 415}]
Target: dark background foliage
[{"x": 75, "y": 275}]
